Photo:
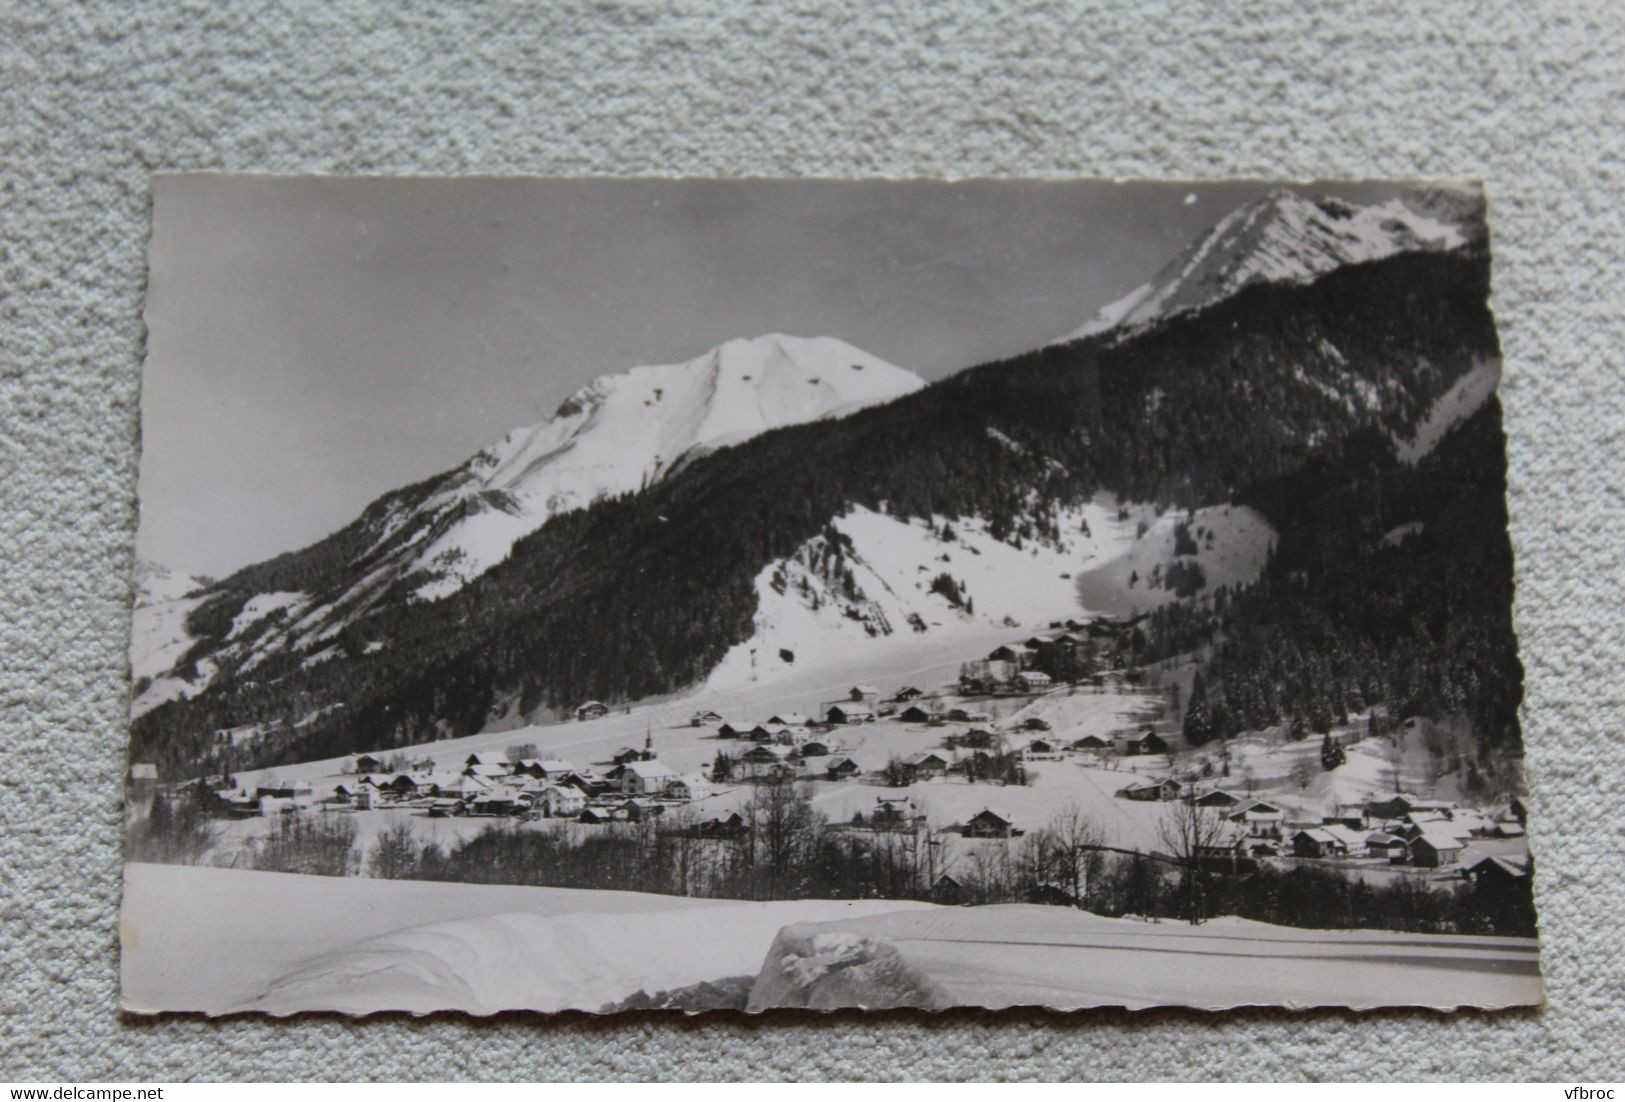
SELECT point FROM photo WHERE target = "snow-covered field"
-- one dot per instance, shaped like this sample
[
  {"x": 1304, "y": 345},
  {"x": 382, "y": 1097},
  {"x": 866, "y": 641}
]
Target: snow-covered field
[
  {"x": 225, "y": 940},
  {"x": 1024, "y": 955},
  {"x": 220, "y": 941}
]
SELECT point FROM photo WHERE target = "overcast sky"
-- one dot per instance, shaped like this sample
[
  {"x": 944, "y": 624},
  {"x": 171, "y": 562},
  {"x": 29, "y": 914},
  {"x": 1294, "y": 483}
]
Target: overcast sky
[{"x": 313, "y": 343}]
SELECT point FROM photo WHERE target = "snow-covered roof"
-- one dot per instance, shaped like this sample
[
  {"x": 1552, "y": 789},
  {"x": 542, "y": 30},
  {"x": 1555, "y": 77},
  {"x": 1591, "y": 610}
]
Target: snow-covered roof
[
  {"x": 650, "y": 769},
  {"x": 1509, "y": 865},
  {"x": 1438, "y": 839}
]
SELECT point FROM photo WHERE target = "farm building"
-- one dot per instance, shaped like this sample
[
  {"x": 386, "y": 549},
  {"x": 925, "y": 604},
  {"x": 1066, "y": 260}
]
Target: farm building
[
  {"x": 850, "y": 713},
  {"x": 760, "y": 755},
  {"x": 730, "y": 825},
  {"x": 812, "y": 748},
  {"x": 914, "y": 714},
  {"x": 1216, "y": 797},
  {"x": 1433, "y": 849},
  {"x": 839, "y": 769},
  {"x": 893, "y": 813},
  {"x": 597, "y": 814},
  {"x": 1318, "y": 842},
  {"x": 734, "y": 730},
  {"x": 1382, "y": 844},
  {"x": 770, "y": 732},
  {"x": 592, "y": 709},
  {"x": 927, "y": 765},
  {"x": 704, "y": 719},
  {"x": 988, "y": 823},
  {"x": 787, "y": 719},
  {"x": 367, "y": 763},
  {"x": 637, "y": 810},
  {"x": 947, "y": 891},
  {"x": 908, "y": 694},
  {"x": 1166, "y": 789},
  {"x": 1145, "y": 742},
  {"x": 1262, "y": 820},
  {"x": 1033, "y": 680},
  {"x": 861, "y": 693},
  {"x": 1090, "y": 742},
  {"x": 1498, "y": 873}
]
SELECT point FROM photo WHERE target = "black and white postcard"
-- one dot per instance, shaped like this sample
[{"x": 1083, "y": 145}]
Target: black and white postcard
[{"x": 738, "y": 594}]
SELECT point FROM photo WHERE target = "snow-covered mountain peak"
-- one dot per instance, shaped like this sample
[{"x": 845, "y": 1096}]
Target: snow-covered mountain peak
[
  {"x": 1286, "y": 237},
  {"x": 620, "y": 432}
]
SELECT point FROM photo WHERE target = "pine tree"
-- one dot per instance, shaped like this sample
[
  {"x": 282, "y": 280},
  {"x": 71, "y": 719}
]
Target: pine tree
[{"x": 1198, "y": 720}]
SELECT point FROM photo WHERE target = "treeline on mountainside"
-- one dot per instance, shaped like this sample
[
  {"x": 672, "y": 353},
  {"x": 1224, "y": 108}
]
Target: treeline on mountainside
[
  {"x": 643, "y": 594},
  {"x": 1390, "y": 586}
]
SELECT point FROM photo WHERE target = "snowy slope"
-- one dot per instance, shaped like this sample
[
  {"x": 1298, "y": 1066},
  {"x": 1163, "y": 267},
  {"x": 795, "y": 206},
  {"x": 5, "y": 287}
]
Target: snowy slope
[
  {"x": 1288, "y": 238},
  {"x": 155, "y": 584},
  {"x": 827, "y": 604},
  {"x": 1232, "y": 546},
  {"x": 615, "y": 435}
]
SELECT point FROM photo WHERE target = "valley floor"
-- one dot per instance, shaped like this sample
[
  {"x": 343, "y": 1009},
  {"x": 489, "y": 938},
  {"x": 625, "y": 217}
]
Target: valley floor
[{"x": 223, "y": 941}]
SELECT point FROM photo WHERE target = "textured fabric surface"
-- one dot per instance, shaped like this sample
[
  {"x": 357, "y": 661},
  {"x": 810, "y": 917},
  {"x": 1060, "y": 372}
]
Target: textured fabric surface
[{"x": 1525, "y": 96}]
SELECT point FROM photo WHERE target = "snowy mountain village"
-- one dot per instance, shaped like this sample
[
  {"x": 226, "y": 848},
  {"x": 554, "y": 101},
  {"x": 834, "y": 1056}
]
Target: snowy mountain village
[{"x": 1058, "y": 724}]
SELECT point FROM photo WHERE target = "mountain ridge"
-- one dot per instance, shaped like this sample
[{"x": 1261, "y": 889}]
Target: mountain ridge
[
  {"x": 1188, "y": 413},
  {"x": 1286, "y": 237}
]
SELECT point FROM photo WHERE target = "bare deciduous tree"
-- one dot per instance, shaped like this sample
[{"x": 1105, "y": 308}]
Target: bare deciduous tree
[{"x": 1188, "y": 831}]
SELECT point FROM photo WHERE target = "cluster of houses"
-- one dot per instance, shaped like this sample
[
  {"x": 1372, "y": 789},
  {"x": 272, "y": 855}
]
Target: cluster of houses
[
  {"x": 637, "y": 786},
  {"x": 1396, "y": 829},
  {"x": 900, "y": 813},
  {"x": 1068, "y": 651}
]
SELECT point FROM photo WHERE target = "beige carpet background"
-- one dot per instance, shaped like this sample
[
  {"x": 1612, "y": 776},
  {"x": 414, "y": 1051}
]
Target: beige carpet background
[{"x": 1527, "y": 96}]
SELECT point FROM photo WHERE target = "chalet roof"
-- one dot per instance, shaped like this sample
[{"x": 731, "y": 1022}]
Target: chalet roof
[
  {"x": 1347, "y": 835},
  {"x": 926, "y": 756},
  {"x": 788, "y": 719},
  {"x": 485, "y": 757},
  {"x": 1032, "y": 675},
  {"x": 592, "y": 704},
  {"x": 988, "y": 812},
  {"x": 836, "y": 763},
  {"x": 1320, "y": 834},
  {"x": 864, "y": 689},
  {"x": 487, "y": 770},
  {"x": 1437, "y": 839},
  {"x": 650, "y": 769},
  {"x": 1260, "y": 807},
  {"x": 1510, "y": 866}
]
